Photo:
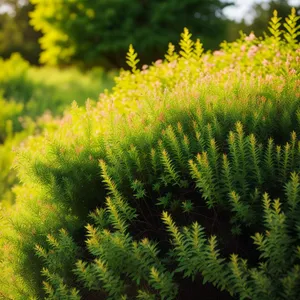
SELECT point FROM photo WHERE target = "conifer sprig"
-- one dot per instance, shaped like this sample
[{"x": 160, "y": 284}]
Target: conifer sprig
[
  {"x": 274, "y": 26},
  {"x": 132, "y": 59},
  {"x": 292, "y": 29},
  {"x": 186, "y": 44}
]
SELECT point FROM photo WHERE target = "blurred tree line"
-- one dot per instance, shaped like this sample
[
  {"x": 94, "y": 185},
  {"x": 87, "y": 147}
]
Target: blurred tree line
[
  {"x": 16, "y": 34},
  {"x": 89, "y": 33}
]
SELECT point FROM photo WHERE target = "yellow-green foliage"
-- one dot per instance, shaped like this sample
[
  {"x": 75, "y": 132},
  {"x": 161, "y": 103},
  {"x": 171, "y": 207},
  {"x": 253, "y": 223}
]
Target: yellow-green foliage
[
  {"x": 13, "y": 78},
  {"x": 13, "y": 139},
  {"x": 201, "y": 148},
  {"x": 80, "y": 32},
  {"x": 26, "y": 94},
  {"x": 44, "y": 88},
  {"x": 9, "y": 115},
  {"x": 13, "y": 69}
]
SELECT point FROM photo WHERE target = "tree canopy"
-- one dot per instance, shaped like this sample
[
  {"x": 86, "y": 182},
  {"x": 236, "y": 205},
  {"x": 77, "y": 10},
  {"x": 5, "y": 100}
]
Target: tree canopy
[{"x": 99, "y": 32}]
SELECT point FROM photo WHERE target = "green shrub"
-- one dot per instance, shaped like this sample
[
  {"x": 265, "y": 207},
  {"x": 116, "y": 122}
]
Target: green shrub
[
  {"x": 184, "y": 181},
  {"x": 56, "y": 89},
  {"x": 30, "y": 92},
  {"x": 13, "y": 78},
  {"x": 10, "y": 113},
  {"x": 44, "y": 88},
  {"x": 13, "y": 140}
]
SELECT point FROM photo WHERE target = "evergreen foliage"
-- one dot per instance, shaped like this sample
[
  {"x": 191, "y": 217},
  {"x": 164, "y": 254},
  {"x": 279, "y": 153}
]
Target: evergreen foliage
[{"x": 184, "y": 181}]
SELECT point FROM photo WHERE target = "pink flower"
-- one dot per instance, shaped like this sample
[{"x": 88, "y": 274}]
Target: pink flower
[
  {"x": 243, "y": 48},
  {"x": 218, "y": 53},
  {"x": 251, "y": 37},
  {"x": 252, "y": 51},
  {"x": 265, "y": 62}
]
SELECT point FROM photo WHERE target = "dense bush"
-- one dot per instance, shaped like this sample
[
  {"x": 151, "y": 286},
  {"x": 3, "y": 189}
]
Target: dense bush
[{"x": 184, "y": 181}]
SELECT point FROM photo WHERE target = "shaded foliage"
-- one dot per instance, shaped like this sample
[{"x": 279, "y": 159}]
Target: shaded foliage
[
  {"x": 99, "y": 32},
  {"x": 16, "y": 34}
]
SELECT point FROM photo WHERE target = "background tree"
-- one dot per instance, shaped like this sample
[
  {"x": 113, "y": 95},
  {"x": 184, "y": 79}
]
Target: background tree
[
  {"x": 262, "y": 13},
  {"x": 99, "y": 32},
  {"x": 16, "y": 34}
]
